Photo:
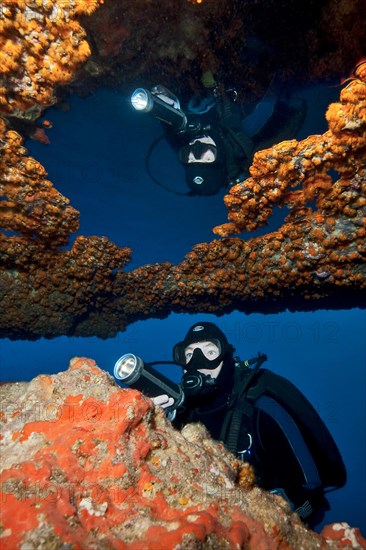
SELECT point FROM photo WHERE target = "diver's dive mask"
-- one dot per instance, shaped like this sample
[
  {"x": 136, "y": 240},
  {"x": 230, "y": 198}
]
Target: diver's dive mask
[
  {"x": 200, "y": 361},
  {"x": 201, "y": 332},
  {"x": 195, "y": 382},
  {"x": 199, "y": 150}
]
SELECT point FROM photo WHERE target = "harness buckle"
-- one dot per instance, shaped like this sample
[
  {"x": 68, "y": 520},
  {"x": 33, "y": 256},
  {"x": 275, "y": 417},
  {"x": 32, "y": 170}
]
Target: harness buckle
[{"x": 247, "y": 450}]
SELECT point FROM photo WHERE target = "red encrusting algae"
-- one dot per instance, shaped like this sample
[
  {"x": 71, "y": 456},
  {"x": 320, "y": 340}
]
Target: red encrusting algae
[{"x": 89, "y": 464}]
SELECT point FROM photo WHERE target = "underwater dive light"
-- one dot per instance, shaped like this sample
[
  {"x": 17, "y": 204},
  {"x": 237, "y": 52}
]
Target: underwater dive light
[
  {"x": 131, "y": 370},
  {"x": 141, "y": 100},
  {"x": 146, "y": 102}
]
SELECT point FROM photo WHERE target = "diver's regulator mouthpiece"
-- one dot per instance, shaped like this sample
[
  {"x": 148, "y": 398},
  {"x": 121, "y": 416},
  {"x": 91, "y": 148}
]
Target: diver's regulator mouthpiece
[
  {"x": 131, "y": 370},
  {"x": 196, "y": 383},
  {"x": 166, "y": 110}
]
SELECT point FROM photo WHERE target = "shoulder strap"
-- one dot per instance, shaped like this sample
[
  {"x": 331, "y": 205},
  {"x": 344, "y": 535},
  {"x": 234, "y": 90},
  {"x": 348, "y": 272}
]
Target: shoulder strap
[
  {"x": 239, "y": 407},
  {"x": 314, "y": 433},
  {"x": 242, "y": 141},
  {"x": 294, "y": 438}
]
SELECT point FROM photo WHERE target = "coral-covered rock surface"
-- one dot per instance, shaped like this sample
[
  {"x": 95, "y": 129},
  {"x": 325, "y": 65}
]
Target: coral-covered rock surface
[
  {"x": 316, "y": 259},
  {"x": 42, "y": 45},
  {"x": 87, "y": 464},
  {"x": 293, "y": 173},
  {"x": 246, "y": 42}
]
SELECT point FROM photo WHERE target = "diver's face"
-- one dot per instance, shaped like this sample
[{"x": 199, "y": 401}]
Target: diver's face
[{"x": 210, "y": 350}]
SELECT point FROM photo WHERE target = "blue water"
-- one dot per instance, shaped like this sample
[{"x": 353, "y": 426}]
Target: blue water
[{"x": 96, "y": 159}]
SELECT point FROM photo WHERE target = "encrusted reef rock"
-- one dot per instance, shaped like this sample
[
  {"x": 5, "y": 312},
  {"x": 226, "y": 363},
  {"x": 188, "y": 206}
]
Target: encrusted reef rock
[
  {"x": 87, "y": 464},
  {"x": 42, "y": 45},
  {"x": 316, "y": 259},
  {"x": 293, "y": 173},
  {"x": 32, "y": 207}
]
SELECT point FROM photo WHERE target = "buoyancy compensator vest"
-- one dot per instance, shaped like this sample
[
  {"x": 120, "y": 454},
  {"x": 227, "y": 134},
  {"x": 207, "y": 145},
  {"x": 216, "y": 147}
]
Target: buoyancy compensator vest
[{"x": 272, "y": 425}]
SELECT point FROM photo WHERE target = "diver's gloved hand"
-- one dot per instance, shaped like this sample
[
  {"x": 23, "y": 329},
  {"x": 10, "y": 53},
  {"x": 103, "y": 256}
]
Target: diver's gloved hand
[{"x": 163, "y": 401}]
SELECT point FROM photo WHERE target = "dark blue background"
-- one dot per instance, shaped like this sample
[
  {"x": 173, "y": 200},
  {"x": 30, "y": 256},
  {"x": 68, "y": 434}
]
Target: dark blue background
[{"x": 96, "y": 159}]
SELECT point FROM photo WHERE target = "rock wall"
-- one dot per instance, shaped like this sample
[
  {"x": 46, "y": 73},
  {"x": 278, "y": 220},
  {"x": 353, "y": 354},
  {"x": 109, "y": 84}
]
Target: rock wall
[{"x": 87, "y": 464}]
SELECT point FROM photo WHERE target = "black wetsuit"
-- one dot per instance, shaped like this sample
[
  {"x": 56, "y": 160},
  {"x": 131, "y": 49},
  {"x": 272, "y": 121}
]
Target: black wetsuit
[
  {"x": 234, "y": 149},
  {"x": 270, "y": 453}
]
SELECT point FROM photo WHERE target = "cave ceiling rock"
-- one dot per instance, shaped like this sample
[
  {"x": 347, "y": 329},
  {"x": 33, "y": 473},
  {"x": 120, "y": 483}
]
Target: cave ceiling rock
[{"x": 316, "y": 259}]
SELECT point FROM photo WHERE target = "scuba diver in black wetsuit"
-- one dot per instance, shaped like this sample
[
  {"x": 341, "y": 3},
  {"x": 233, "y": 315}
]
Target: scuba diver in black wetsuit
[
  {"x": 218, "y": 152},
  {"x": 261, "y": 417},
  {"x": 213, "y": 140},
  {"x": 211, "y": 146}
]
